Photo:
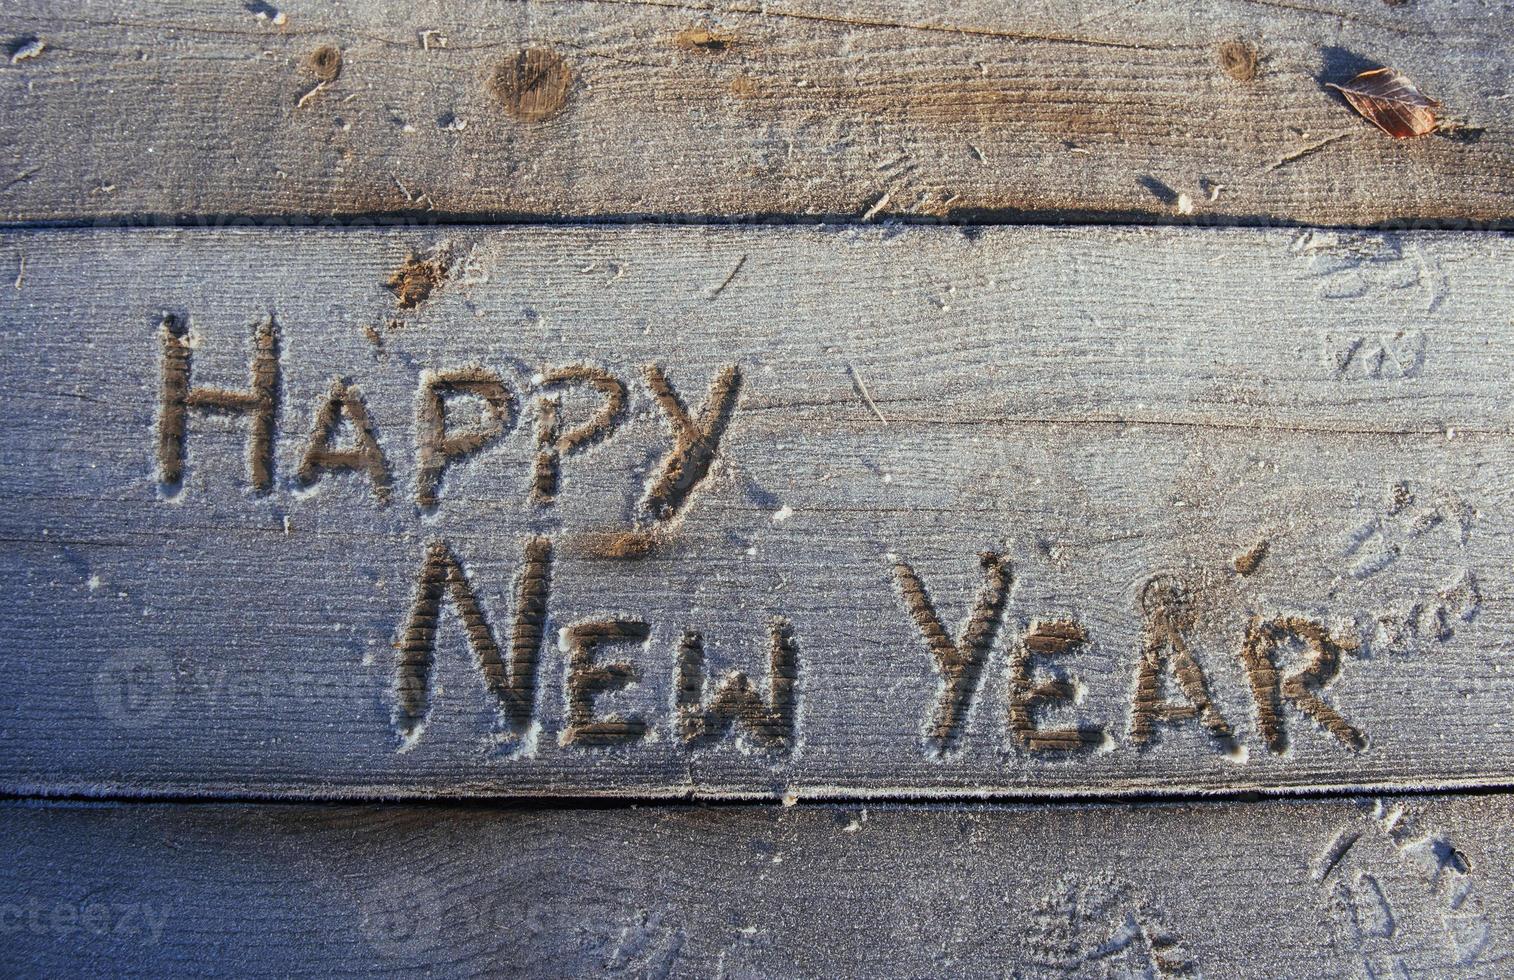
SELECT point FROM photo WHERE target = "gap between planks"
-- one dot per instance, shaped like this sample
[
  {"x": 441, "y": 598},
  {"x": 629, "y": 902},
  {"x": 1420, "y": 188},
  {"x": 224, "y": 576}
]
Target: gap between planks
[
  {"x": 715, "y": 799},
  {"x": 976, "y": 218}
]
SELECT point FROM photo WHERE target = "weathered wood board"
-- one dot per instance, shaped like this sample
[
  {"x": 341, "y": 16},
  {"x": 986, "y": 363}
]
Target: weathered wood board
[
  {"x": 632, "y": 434},
  {"x": 995, "y": 507},
  {"x": 1051, "y": 109},
  {"x": 1396, "y": 887}
]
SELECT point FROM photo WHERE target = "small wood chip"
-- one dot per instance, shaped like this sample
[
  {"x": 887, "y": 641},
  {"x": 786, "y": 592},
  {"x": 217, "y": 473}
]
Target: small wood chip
[{"x": 30, "y": 48}]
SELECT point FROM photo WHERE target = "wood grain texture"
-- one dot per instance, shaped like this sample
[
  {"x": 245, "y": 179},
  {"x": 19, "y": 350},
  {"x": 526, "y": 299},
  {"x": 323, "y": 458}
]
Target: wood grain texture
[
  {"x": 1358, "y": 888},
  {"x": 1263, "y": 472},
  {"x": 1048, "y": 110}
]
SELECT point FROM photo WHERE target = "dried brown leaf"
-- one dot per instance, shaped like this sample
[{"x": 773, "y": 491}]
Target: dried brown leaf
[{"x": 1392, "y": 103}]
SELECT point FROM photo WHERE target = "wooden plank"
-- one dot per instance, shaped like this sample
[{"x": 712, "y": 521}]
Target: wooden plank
[
  {"x": 1301, "y": 889},
  {"x": 1044, "y": 110},
  {"x": 1262, "y": 473}
]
